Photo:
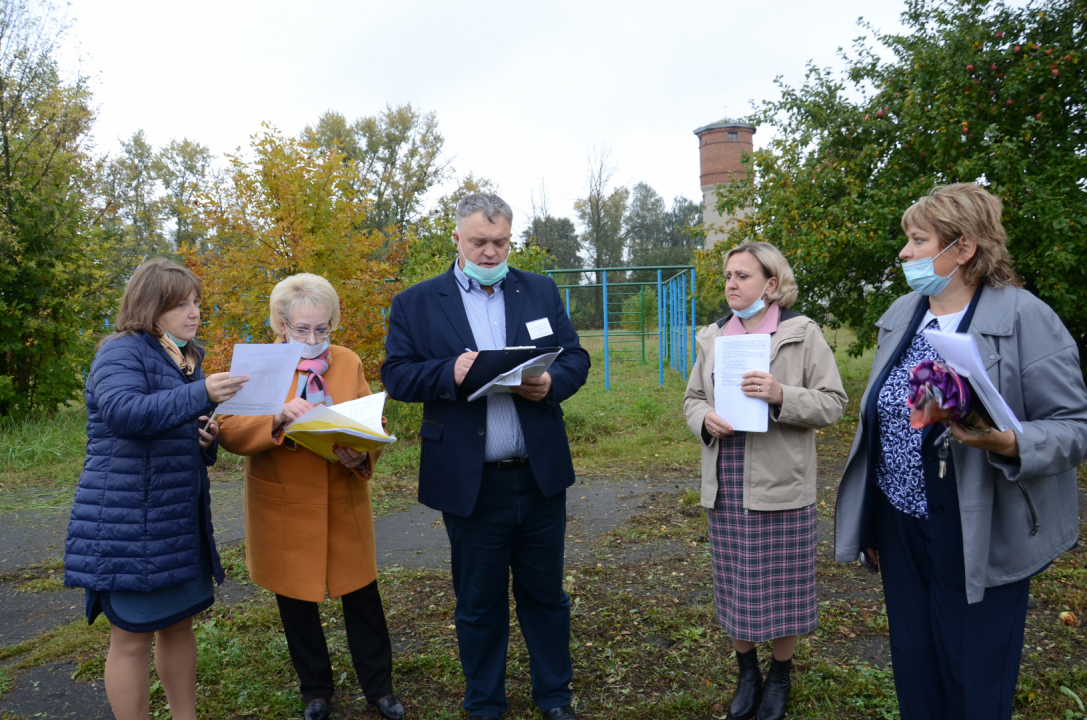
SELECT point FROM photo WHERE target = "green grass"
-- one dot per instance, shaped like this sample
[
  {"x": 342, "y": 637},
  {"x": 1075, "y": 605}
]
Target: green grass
[
  {"x": 646, "y": 644},
  {"x": 49, "y": 450}
]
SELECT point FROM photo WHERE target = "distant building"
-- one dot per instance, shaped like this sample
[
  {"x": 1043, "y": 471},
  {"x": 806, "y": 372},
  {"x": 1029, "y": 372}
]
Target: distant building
[{"x": 721, "y": 146}]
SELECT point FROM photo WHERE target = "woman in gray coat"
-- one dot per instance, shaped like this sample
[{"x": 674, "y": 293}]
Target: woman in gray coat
[{"x": 958, "y": 523}]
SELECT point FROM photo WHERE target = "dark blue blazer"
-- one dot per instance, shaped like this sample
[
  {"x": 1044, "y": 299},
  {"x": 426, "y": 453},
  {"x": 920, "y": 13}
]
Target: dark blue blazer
[
  {"x": 428, "y": 331},
  {"x": 143, "y": 504}
]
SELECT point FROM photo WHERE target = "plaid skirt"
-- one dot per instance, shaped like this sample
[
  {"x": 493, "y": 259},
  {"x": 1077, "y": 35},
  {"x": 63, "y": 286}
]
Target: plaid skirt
[{"x": 763, "y": 562}]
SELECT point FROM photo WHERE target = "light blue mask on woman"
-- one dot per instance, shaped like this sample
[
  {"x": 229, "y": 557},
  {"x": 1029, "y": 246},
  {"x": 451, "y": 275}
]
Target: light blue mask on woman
[
  {"x": 176, "y": 341},
  {"x": 754, "y": 308},
  {"x": 309, "y": 351},
  {"x": 921, "y": 275}
]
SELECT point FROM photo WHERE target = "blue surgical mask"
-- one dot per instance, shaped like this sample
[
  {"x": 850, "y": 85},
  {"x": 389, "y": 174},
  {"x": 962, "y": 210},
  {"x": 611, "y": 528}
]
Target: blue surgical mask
[
  {"x": 921, "y": 275},
  {"x": 176, "y": 341},
  {"x": 309, "y": 351},
  {"x": 485, "y": 276},
  {"x": 754, "y": 308}
]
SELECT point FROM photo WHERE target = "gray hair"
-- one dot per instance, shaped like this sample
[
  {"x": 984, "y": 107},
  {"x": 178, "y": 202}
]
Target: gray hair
[{"x": 487, "y": 203}]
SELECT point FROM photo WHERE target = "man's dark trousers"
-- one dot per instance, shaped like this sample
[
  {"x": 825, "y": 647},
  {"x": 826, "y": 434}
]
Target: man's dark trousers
[{"x": 513, "y": 527}]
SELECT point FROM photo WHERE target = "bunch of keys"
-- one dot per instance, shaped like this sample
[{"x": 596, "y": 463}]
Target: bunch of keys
[{"x": 944, "y": 451}]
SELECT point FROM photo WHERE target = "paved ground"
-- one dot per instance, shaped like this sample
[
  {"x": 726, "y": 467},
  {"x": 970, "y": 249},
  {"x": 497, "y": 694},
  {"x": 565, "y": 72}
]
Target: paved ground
[{"x": 412, "y": 539}]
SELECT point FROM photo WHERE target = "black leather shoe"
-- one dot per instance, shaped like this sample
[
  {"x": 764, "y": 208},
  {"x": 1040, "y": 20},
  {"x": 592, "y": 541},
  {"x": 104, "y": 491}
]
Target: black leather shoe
[
  {"x": 560, "y": 713},
  {"x": 390, "y": 708},
  {"x": 317, "y": 710},
  {"x": 775, "y": 696},
  {"x": 745, "y": 702}
]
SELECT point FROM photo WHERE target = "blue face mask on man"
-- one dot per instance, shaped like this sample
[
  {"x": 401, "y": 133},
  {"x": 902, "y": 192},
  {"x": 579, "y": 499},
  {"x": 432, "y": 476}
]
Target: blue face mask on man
[
  {"x": 921, "y": 275},
  {"x": 485, "y": 276}
]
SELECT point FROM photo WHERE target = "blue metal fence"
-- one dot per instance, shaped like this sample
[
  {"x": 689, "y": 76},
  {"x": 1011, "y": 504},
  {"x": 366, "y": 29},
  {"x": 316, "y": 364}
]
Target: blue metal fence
[{"x": 675, "y": 314}]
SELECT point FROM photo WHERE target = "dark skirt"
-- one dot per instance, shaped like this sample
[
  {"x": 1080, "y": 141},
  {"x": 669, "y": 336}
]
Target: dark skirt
[
  {"x": 763, "y": 562},
  {"x": 141, "y": 612}
]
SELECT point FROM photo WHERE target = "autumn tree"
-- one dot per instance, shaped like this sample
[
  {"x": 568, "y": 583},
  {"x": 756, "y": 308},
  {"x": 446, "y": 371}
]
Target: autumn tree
[
  {"x": 660, "y": 235},
  {"x": 395, "y": 157},
  {"x": 601, "y": 215},
  {"x": 54, "y": 276},
  {"x": 972, "y": 92},
  {"x": 287, "y": 209},
  {"x": 556, "y": 235},
  {"x": 183, "y": 168},
  {"x": 132, "y": 201}
]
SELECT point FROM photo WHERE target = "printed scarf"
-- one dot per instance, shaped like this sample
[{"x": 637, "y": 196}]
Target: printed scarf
[{"x": 316, "y": 391}]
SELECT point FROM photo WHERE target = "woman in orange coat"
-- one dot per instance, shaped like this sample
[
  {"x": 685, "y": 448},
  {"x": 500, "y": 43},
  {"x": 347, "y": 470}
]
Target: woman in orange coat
[{"x": 309, "y": 528}]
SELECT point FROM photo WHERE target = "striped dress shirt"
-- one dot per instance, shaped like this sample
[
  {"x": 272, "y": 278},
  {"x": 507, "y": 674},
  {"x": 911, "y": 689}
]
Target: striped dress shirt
[{"x": 487, "y": 316}]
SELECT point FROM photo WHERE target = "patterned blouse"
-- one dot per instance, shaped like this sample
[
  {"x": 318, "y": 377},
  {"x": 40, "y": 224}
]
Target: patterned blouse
[{"x": 899, "y": 473}]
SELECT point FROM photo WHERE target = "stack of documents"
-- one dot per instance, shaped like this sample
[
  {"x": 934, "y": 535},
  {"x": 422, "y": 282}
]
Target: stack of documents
[
  {"x": 355, "y": 424},
  {"x": 960, "y": 351},
  {"x": 733, "y": 357},
  {"x": 496, "y": 371}
]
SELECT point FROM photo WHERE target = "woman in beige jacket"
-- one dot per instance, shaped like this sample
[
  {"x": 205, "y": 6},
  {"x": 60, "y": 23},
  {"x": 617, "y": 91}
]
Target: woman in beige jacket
[{"x": 759, "y": 488}]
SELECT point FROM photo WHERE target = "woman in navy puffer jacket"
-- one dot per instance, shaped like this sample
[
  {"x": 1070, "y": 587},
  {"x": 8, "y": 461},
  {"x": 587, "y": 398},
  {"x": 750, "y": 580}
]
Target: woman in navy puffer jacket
[{"x": 140, "y": 536}]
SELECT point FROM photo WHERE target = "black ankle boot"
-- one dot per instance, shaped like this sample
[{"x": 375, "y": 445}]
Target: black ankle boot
[
  {"x": 775, "y": 695},
  {"x": 748, "y": 687}
]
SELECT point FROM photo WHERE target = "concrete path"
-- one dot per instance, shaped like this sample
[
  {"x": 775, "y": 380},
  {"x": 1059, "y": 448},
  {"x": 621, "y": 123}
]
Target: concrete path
[{"x": 412, "y": 539}]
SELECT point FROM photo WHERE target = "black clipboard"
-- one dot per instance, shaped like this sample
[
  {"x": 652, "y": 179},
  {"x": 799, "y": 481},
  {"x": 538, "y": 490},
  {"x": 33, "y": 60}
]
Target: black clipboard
[{"x": 489, "y": 364}]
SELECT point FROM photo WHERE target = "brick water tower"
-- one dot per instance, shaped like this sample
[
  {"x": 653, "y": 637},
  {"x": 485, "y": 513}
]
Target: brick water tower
[{"x": 721, "y": 146}]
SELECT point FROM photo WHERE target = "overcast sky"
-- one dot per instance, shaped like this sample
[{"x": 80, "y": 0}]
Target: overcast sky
[{"x": 523, "y": 90}]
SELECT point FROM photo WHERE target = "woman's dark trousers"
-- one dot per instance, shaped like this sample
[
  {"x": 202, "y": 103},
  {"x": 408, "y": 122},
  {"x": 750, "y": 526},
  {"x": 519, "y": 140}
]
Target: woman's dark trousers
[
  {"x": 367, "y": 638},
  {"x": 952, "y": 660}
]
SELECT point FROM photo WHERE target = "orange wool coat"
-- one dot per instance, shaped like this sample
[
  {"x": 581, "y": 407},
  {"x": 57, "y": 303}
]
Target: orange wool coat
[{"x": 308, "y": 522}]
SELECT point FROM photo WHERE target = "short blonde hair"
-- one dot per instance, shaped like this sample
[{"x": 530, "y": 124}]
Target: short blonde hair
[
  {"x": 774, "y": 265},
  {"x": 970, "y": 211},
  {"x": 302, "y": 289}
]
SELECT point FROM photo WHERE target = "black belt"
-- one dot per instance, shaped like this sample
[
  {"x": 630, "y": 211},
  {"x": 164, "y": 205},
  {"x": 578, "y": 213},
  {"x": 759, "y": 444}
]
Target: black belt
[{"x": 512, "y": 464}]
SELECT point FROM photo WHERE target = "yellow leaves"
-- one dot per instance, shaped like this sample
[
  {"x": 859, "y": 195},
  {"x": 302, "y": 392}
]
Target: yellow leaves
[{"x": 290, "y": 210}]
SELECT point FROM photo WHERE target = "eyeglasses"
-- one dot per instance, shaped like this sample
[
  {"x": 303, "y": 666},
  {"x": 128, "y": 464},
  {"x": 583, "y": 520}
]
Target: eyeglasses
[{"x": 321, "y": 332}]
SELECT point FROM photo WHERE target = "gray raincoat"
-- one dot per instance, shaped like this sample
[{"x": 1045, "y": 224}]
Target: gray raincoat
[{"x": 1017, "y": 515}]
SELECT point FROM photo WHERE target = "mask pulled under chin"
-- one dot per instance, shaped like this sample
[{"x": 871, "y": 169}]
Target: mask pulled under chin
[
  {"x": 754, "y": 308},
  {"x": 177, "y": 341},
  {"x": 309, "y": 351},
  {"x": 485, "y": 276}
]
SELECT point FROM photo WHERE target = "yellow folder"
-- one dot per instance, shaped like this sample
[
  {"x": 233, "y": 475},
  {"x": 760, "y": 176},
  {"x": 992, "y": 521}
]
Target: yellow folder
[{"x": 350, "y": 424}]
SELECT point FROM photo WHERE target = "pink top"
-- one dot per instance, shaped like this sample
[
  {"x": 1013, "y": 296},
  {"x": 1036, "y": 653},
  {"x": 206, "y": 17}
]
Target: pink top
[{"x": 766, "y": 326}]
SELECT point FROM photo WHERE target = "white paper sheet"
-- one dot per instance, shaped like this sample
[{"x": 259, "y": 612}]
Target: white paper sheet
[
  {"x": 270, "y": 369},
  {"x": 734, "y": 356},
  {"x": 365, "y": 411},
  {"x": 531, "y": 368},
  {"x": 960, "y": 350}
]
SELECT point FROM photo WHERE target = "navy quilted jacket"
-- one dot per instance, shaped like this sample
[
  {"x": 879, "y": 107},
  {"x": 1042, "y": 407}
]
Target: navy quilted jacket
[{"x": 135, "y": 521}]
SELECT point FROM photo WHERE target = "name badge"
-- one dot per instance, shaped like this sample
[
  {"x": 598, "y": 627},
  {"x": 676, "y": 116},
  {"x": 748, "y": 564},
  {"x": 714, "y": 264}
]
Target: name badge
[{"x": 539, "y": 328}]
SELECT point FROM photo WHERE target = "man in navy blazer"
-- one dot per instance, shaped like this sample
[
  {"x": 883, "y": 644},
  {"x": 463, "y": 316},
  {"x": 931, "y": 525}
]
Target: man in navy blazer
[{"x": 497, "y": 468}]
